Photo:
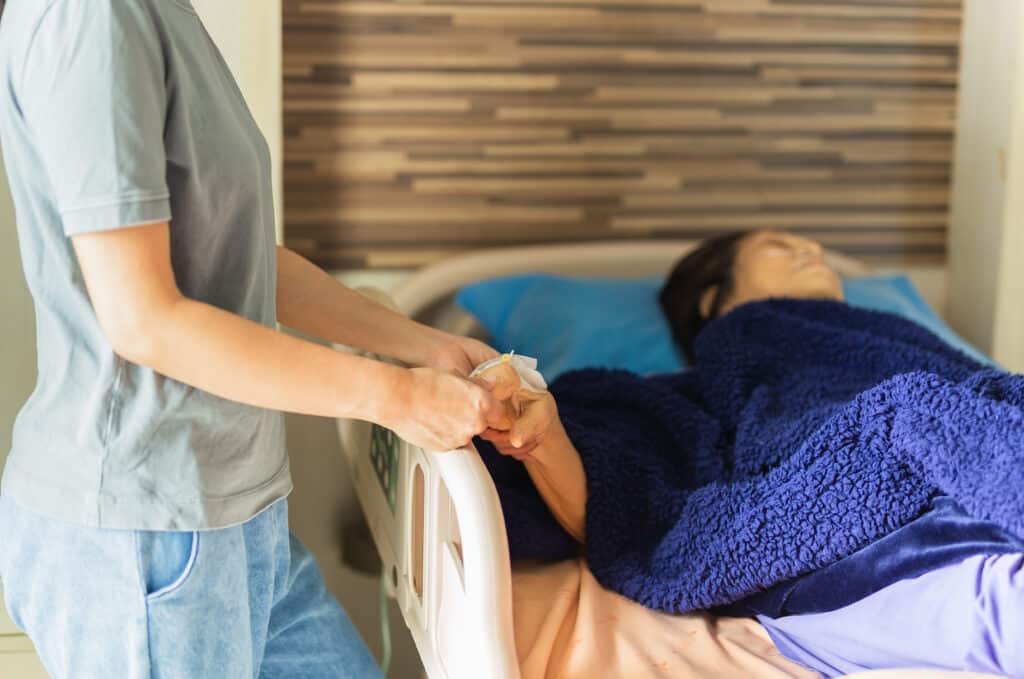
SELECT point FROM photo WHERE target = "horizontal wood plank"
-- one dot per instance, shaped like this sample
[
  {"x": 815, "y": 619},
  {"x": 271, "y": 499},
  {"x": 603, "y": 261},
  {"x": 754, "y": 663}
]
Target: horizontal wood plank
[{"x": 419, "y": 128}]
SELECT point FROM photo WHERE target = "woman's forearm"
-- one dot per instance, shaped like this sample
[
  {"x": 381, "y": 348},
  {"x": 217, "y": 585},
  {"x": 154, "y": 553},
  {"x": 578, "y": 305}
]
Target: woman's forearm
[
  {"x": 244, "y": 361},
  {"x": 148, "y": 321},
  {"x": 311, "y": 300},
  {"x": 557, "y": 472}
]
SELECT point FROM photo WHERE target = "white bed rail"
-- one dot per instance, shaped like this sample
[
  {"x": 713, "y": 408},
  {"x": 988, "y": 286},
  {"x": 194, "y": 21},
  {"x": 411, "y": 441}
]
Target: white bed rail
[{"x": 438, "y": 526}]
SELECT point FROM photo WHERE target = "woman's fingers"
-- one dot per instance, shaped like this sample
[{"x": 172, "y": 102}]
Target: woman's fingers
[
  {"x": 458, "y": 355},
  {"x": 501, "y": 441},
  {"x": 505, "y": 380},
  {"x": 494, "y": 435},
  {"x": 533, "y": 422},
  {"x": 477, "y": 351},
  {"x": 439, "y": 411},
  {"x": 518, "y": 429}
]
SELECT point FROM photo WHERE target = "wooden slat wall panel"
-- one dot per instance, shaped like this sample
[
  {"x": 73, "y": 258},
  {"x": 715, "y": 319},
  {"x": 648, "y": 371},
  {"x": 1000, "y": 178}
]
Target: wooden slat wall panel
[{"x": 417, "y": 128}]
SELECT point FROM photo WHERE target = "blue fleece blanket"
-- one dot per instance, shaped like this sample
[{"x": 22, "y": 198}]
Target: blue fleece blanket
[{"x": 806, "y": 431}]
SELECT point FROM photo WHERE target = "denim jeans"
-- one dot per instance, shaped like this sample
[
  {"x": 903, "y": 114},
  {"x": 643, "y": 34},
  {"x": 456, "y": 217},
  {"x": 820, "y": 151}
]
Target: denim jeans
[{"x": 238, "y": 602}]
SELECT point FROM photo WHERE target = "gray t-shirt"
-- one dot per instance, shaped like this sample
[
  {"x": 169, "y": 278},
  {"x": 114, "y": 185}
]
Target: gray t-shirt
[{"x": 115, "y": 113}]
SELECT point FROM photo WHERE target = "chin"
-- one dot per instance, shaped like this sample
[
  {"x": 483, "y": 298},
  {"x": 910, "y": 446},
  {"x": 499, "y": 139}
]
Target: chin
[
  {"x": 832, "y": 290},
  {"x": 824, "y": 293}
]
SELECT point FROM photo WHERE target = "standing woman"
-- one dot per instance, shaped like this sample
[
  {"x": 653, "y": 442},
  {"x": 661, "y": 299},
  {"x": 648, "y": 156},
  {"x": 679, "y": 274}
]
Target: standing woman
[{"x": 143, "y": 521}]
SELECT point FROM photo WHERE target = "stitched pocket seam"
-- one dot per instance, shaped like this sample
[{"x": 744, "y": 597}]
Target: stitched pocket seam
[{"x": 181, "y": 579}]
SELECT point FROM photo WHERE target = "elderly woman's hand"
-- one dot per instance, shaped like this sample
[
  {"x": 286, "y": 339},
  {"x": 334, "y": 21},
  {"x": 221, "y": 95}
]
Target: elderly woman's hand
[
  {"x": 531, "y": 431},
  {"x": 528, "y": 414},
  {"x": 528, "y": 431}
]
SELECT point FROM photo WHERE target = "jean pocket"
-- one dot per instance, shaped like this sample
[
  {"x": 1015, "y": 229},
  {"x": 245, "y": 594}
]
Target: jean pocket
[{"x": 166, "y": 560}]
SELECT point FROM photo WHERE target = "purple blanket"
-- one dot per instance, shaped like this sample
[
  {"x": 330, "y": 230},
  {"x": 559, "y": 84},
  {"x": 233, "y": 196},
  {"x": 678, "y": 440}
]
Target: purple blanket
[{"x": 806, "y": 431}]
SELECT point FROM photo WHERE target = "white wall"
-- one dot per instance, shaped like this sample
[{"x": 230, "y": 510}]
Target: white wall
[
  {"x": 1008, "y": 330},
  {"x": 986, "y": 275},
  {"x": 17, "y": 324}
]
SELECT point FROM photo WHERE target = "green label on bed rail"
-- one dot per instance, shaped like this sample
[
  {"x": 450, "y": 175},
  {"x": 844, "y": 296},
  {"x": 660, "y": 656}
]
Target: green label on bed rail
[{"x": 384, "y": 445}]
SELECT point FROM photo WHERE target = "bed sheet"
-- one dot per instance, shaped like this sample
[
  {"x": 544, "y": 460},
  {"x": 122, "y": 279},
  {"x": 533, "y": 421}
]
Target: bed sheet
[{"x": 568, "y": 627}]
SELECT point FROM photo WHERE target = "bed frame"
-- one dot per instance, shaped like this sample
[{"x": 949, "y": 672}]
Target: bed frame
[{"x": 435, "y": 516}]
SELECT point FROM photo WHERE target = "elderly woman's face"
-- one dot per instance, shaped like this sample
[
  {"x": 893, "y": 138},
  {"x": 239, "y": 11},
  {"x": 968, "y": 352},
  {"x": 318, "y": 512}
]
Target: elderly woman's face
[{"x": 779, "y": 264}]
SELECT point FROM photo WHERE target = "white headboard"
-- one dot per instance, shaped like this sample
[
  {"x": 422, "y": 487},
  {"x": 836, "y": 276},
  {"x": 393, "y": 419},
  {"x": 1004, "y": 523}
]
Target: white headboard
[{"x": 424, "y": 295}]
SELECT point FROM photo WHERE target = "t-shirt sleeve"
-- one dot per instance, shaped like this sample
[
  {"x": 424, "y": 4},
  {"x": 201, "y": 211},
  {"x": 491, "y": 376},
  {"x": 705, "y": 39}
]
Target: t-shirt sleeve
[{"x": 93, "y": 96}]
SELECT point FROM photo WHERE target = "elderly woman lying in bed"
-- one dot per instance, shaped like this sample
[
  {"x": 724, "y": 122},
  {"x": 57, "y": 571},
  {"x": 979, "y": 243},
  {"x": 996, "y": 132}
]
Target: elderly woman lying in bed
[{"x": 841, "y": 475}]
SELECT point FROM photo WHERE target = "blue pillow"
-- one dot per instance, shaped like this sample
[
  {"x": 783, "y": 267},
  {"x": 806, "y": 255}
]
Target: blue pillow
[{"x": 569, "y": 323}]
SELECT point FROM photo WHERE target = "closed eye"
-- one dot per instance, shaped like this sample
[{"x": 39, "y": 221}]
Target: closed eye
[{"x": 775, "y": 244}]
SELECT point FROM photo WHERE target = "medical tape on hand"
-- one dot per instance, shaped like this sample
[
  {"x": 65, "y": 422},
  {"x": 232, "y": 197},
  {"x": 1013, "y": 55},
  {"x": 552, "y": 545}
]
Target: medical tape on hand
[{"x": 525, "y": 367}]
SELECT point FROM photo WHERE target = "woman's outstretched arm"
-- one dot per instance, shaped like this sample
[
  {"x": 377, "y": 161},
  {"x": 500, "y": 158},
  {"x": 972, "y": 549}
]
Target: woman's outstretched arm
[
  {"x": 148, "y": 321},
  {"x": 552, "y": 461},
  {"x": 311, "y": 300}
]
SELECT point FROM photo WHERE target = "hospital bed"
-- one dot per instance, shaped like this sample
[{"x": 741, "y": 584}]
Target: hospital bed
[{"x": 435, "y": 516}]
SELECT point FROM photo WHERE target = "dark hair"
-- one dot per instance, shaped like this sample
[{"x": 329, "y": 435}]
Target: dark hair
[{"x": 711, "y": 263}]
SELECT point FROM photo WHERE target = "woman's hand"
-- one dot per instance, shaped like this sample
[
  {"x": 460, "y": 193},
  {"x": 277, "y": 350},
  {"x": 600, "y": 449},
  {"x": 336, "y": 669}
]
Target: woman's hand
[
  {"x": 538, "y": 439},
  {"x": 459, "y": 355},
  {"x": 538, "y": 413},
  {"x": 438, "y": 411}
]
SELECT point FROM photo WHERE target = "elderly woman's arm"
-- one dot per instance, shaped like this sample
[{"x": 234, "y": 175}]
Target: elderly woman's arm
[{"x": 554, "y": 464}]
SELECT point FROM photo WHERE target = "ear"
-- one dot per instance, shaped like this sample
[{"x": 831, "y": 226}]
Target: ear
[{"x": 707, "y": 298}]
